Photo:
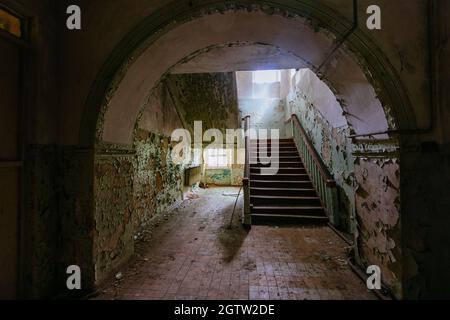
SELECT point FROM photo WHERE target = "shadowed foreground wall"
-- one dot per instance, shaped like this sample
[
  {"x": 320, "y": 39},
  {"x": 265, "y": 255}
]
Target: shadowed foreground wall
[{"x": 65, "y": 64}]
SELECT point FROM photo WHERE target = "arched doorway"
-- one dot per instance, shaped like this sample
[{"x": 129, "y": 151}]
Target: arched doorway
[{"x": 358, "y": 73}]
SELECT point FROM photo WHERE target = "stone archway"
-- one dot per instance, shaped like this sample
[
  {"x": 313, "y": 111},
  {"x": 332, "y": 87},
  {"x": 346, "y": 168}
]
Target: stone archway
[
  {"x": 309, "y": 31},
  {"x": 359, "y": 74}
]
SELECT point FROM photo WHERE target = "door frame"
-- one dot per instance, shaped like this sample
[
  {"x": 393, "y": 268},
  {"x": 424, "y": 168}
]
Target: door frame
[{"x": 26, "y": 75}]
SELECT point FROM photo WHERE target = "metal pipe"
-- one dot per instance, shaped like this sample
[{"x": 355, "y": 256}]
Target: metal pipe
[
  {"x": 234, "y": 209},
  {"x": 344, "y": 38},
  {"x": 432, "y": 78}
]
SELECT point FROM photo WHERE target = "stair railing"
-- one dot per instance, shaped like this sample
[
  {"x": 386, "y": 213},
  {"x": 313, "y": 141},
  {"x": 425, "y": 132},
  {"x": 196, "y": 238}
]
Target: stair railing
[
  {"x": 321, "y": 178},
  {"x": 247, "y": 221}
]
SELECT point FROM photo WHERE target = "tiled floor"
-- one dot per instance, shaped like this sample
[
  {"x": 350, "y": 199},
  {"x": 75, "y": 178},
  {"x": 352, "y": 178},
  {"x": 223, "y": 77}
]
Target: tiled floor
[{"x": 190, "y": 253}]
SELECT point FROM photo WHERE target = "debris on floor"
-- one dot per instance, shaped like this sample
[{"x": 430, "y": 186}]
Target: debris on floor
[{"x": 195, "y": 256}]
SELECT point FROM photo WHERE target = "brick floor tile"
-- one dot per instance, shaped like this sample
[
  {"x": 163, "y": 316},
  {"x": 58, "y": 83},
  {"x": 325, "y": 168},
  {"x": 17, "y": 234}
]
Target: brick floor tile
[{"x": 194, "y": 256}]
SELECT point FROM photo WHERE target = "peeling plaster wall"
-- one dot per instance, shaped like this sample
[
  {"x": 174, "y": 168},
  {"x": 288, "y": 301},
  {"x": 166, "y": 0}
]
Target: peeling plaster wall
[
  {"x": 77, "y": 224},
  {"x": 218, "y": 176},
  {"x": 129, "y": 190},
  {"x": 133, "y": 187},
  {"x": 367, "y": 174},
  {"x": 210, "y": 98},
  {"x": 242, "y": 56},
  {"x": 231, "y": 176},
  {"x": 158, "y": 182},
  {"x": 378, "y": 217},
  {"x": 310, "y": 101},
  {"x": 113, "y": 189},
  {"x": 56, "y": 114},
  {"x": 160, "y": 115}
]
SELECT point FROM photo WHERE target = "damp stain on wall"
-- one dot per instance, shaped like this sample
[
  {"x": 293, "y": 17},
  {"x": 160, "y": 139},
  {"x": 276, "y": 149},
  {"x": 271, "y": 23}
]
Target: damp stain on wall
[
  {"x": 158, "y": 180},
  {"x": 207, "y": 97},
  {"x": 333, "y": 147},
  {"x": 113, "y": 187},
  {"x": 378, "y": 215},
  {"x": 368, "y": 178}
]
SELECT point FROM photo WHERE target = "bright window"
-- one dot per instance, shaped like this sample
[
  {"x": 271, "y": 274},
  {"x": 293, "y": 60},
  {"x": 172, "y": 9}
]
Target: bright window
[
  {"x": 266, "y": 76},
  {"x": 10, "y": 23},
  {"x": 216, "y": 158}
]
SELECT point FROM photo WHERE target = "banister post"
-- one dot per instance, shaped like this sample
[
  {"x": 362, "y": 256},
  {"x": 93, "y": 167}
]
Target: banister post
[
  {"x": 292, "y": 127},
  {"x": 247, "y": 221},
  {"x": 333, "y": 209},
  {"x": 319, "y": 173}
]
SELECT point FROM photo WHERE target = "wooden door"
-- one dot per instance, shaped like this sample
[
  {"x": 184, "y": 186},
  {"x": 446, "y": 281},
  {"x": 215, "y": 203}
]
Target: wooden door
[{"x": 10, "y": 165}]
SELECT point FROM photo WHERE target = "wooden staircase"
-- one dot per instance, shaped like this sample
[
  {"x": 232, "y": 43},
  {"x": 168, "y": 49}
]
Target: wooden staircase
[{"x": 286, "y": 197}]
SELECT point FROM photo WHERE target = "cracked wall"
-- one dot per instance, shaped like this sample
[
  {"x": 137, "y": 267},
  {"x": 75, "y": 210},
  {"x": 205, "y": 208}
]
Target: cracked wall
[
  {"x": 367, "y": 173},
  {"x": 133, "y": 186},
  {"x": 311, "y": 101},
  {"x": 130, "y": 189},
  {"x": 209, "y": 97},
  {"x": 212, "y": 99},
  {"x": 158, "y": 181},
  {"x": 231, "y": 176},
  {"x": 378, "y": 217},
  {"x": 113, "y": 189}
]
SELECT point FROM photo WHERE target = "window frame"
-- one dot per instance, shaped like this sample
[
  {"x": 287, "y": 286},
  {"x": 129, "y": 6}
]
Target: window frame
[
  {"x": 276, "y": 72},
  {"x": 228, "y": 154},
  {"x": 25, "y": 24}
]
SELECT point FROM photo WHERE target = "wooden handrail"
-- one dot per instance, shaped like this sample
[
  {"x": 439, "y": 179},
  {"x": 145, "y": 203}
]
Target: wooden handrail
[
  {"x": 323, "y": 170},
  {"x": 246, "y": 120},
  {"x": 247, "y": 220}
]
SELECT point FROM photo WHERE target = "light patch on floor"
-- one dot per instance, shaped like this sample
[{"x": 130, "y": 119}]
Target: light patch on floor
[{"x": 190, "y": 253}]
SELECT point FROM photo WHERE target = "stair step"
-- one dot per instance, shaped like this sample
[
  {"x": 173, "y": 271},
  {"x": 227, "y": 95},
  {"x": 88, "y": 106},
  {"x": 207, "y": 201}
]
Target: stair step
[
  {"x": 282, "y": 157},
  {"x": 283, "y": 164},
  {"x": 280, "y": 184},
  {"x": 276, "y": 140},
  {"x": 269, "y": 147},
  {"x": 278, "y": 158},
  {"x": 288, "y": 195},
  {"x": 275, "y": 145},
  {"x": 272, "y": 151},
  {"x": 274, "y": 155},
  {"x": 254, "y": 160},
  {"x": 283, "y": 191},
  {"x": 284, "y": 201},
  {"x": 280, "y": 143},
  {"x": 281, "y": 170},
  {"x": 316, "y": 211},
  {"x": 280, "y": 177},
  {"x": 268, "y": 219}
]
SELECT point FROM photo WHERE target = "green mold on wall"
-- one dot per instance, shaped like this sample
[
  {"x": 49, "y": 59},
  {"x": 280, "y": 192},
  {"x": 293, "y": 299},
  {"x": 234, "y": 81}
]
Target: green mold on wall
[
  {"x": 365, "y": 172},
  {"x": 209, "y": 97},
  {"x": 158, "y": 181}
]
